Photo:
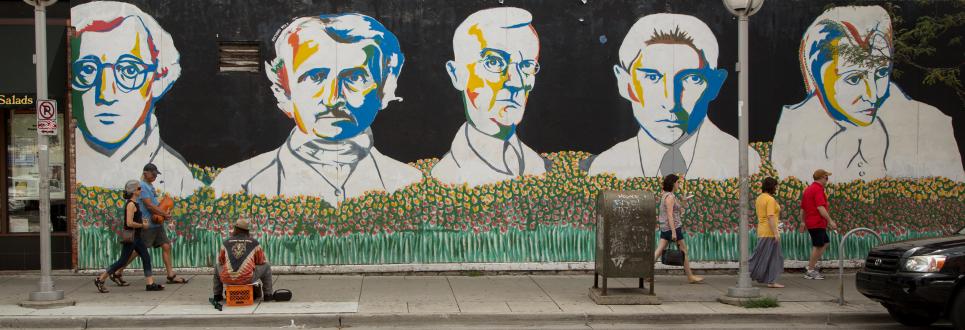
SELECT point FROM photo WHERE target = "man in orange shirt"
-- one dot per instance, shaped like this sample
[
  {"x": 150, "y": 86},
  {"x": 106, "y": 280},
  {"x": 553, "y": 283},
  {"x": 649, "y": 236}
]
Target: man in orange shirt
[
  {"x": 814, "y": 212},
  {"x": 241, "y": 261}
]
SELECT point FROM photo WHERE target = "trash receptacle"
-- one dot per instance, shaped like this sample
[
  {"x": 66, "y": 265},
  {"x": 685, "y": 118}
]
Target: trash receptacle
[{"x": 625, "y": 237}]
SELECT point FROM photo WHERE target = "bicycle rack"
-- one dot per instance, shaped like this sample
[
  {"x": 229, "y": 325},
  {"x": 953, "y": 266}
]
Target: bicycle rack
[{"x": 841, "y": 260}]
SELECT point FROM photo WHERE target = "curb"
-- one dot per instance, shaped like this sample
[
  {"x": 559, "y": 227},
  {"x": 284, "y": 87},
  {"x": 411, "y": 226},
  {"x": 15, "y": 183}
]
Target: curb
[{"x": 442, "y": 319}]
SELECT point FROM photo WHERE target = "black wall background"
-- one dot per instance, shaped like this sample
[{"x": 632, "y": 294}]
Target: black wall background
[
  {"x": 217, "y": 119},
  {"x": 17, "y": 69}
]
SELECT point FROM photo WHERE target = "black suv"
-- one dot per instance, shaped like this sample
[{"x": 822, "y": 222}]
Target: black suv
[{"x": 918, "y": 281}]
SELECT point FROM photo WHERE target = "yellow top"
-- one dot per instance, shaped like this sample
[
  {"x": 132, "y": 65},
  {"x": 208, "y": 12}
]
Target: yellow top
[{"x": 766, "y": 206}]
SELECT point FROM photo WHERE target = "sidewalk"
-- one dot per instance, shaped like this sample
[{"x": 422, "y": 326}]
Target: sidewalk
[{"x": 342, "y": 300}]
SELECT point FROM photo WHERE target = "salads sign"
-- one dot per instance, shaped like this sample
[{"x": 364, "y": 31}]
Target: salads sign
[{"x": 17, "y": 100}]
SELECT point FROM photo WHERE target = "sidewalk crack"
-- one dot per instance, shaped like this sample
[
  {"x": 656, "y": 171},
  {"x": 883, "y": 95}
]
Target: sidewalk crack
[
  {"x": 358, "y": 302},
  {"x": 545, "y": 292},
  {"x": 453, "y": 293}
]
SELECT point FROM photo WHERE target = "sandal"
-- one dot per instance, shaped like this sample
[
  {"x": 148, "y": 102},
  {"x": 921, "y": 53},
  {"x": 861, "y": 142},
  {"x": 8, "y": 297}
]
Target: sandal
[
  {"x": 696, "y": 280},
  {"x": 174, "y": 279},
  {"x": 100, "y": 286},
  {"x": 775, "y": 285},
  {"x": 154, "y": 287},
  {"x": 119, "y": 279}
]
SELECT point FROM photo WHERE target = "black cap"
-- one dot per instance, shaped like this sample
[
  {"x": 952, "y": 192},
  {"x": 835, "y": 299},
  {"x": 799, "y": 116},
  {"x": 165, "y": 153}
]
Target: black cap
[{"x": 151, "y": 168}]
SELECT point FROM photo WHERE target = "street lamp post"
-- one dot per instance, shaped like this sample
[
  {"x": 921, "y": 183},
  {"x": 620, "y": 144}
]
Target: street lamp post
[
  {"x": 743, "y": 9},
  {"x": 46, "y": 295}
]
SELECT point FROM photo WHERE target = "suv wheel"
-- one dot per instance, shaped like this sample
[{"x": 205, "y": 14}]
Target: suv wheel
[
  {"x": 912, "y": 318},
  {"x": 957, "y": 313}
]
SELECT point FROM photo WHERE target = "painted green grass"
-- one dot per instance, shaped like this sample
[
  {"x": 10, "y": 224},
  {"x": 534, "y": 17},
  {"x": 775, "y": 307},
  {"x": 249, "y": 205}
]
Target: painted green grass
[{"x": 542, "y": 244}]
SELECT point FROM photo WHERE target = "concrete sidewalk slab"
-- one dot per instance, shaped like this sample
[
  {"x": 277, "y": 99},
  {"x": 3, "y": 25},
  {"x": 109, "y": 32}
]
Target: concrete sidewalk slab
[
  {"x": 676, "y": 288},
  {"x": 565, "y": 289},
  {"x": 438, "y": 300},
  {"x": 636, "y": 309},
  {"x": 690, "y": 307},
  {"x": 14, "y": 310},
  {"x": 428, "y": 289},
  {"x": 18, "y": 288},
  {"x": 447, "y": 320},
  {"x": 324, "y": 288},
  {"x": 392, "y": 307},
  {"x": 133, "y": 295},
  {"x": 584, "y": 307},
  {"x": 93, "y": 309},
  {"x": 172, "y": 309},
  {"x": 533, "y": 307},
  {"x": 484, "y": 307},
  {"x": 320, "y": 307},
  {"x": 428, "y": 307},
  {"x": 497, "y": 288}
]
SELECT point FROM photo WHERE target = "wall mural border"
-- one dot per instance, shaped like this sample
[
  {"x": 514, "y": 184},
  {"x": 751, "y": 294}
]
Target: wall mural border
[{"x": 328, "y": 196}]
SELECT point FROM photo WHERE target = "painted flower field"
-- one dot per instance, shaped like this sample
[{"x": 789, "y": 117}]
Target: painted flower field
[{"x": 529, "y": 219}]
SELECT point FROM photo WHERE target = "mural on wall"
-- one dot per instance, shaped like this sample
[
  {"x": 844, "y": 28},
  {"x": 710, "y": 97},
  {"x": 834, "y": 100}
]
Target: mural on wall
[
  {"x": 332, "y": 75},
  {"x": 855, "y": 121},
  {"x": 496, "y": 59},
  {"x": 325, "y": 195},
  {"x": 123, "y": 62},
  {"x": 668, "y": 71}
]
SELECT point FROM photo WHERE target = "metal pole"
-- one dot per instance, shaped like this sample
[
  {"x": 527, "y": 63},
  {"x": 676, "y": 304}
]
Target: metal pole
[
  {"x": 841, "y": 260},
  {"x": 744, "y": 288},
  {"x": 45, "y": 288}
]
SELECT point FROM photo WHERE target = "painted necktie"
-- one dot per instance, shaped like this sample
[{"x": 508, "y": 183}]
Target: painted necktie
[
  {"x": 673, "y": 162},
  {"x": 513, "y": 159}
]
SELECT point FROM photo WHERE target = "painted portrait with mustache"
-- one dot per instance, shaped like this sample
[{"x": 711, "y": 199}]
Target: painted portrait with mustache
[{"x": 332, "y": 75}]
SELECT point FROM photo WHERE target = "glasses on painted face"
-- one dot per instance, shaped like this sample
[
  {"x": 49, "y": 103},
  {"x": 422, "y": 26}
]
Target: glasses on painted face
[
  {"x": 130, "y": 72},
  {"x": 498, "y": 65}
]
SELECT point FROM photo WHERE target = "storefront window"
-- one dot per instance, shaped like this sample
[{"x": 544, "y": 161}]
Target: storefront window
[{"x": 23, "y": 175}]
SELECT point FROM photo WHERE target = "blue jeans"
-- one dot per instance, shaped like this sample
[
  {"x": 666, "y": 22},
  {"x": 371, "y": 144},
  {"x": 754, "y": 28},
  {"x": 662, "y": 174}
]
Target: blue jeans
[{"x": 126, "y": 251}]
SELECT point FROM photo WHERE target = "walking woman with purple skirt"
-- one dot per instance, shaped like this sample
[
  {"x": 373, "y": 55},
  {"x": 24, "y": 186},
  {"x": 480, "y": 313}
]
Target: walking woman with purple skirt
[{"x": 767, "y": 262}]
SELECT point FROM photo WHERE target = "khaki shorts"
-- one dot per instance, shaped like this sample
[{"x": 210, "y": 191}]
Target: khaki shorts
[{"x": 154, "y": 237}]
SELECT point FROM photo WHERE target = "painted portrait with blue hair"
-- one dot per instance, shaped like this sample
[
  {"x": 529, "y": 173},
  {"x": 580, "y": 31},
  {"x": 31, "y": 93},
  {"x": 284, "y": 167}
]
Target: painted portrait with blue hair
[{"x": 333, "y": 73}]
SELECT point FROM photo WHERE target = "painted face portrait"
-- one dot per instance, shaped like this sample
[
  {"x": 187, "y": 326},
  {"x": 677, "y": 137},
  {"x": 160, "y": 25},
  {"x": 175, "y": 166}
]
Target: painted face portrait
[
  {"x": 495, "y": 68},
  {"x": 851, "y": 69},
  {"x": 334, "y": 82},
  {"x": 667, "y": 78},
  {"x": 115, "y": 71}
]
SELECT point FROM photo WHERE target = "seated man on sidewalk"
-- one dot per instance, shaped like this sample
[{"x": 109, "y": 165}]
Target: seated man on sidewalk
[{"x": 241, "y": 261}]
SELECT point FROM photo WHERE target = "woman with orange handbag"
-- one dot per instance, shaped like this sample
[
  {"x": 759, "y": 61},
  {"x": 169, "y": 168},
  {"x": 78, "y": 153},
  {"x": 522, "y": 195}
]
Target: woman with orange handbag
[{"x": 131, "y": 240}]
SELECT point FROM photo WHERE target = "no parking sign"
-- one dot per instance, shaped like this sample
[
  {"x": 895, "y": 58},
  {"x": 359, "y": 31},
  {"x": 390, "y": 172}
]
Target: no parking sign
[{"x": 47, "y": 117}]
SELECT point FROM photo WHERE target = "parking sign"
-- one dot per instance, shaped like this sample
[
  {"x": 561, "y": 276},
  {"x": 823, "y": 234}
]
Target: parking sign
[{"x": 47, "y": 117}]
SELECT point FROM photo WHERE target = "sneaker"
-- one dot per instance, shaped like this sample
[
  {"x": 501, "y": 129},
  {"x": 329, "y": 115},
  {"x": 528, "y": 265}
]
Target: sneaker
[{"x": 813, "y": 275}]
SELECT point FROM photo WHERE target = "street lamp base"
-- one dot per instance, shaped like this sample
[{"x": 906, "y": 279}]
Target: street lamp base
[
  {"x": 738, "y": 296},
  {"x": 47, "y": 295},
  {"x": 47, "y": 299}
]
